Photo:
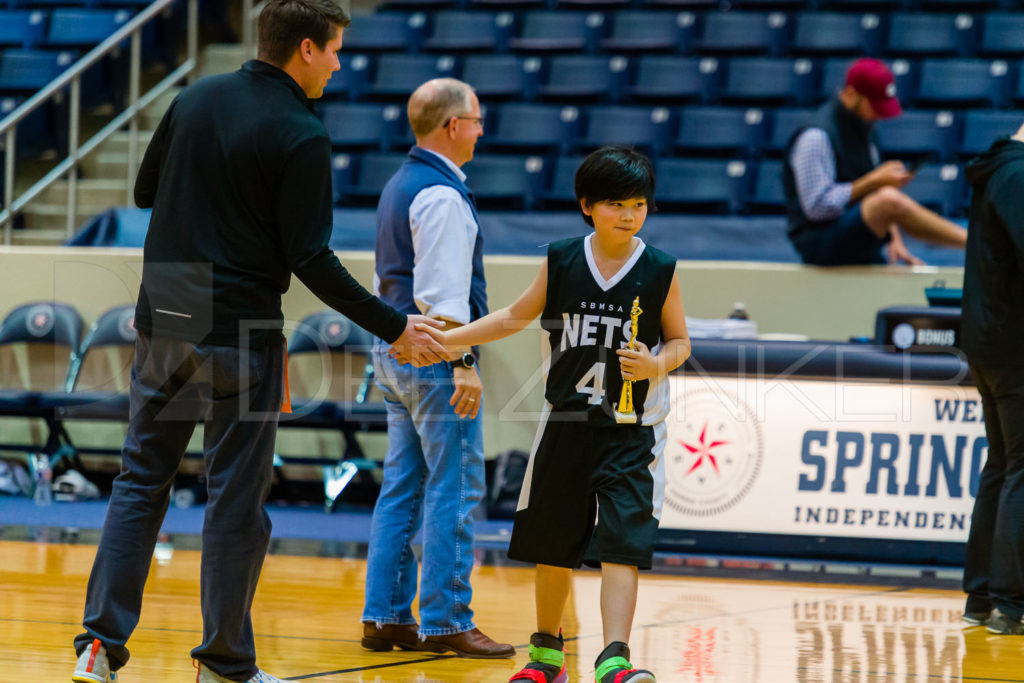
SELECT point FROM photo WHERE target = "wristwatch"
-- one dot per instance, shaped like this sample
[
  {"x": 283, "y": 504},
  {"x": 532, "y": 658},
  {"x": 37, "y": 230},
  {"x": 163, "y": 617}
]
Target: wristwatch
[{"x": 467, "y": 361}]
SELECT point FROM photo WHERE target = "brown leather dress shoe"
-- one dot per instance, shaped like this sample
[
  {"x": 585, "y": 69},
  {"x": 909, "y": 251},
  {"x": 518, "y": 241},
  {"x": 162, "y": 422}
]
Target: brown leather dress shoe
[
  {"x": 387, "y": 636},
  {"x": 470, "y": 643}
]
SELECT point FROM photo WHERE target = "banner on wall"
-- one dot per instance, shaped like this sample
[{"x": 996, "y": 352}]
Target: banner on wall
[{"x": 858, "y": 459}]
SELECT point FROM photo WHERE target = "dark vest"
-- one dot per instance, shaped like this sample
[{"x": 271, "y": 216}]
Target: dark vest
[
  {"x": 395, "y": 255},
  {"x": 851, "y": 143}
]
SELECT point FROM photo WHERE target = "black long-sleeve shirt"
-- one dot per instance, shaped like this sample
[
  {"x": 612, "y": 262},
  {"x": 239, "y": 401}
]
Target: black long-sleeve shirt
[{"x": 238, "y": 176}]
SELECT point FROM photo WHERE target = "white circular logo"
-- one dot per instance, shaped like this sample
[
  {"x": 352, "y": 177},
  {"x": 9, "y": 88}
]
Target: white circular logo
[
  {"x": 903, "y": 336},
  {"x": 39, "y": 320},
  {"x": 126, "y": 325},
  {"x": 335, "y": 330},
  {"x": 714, "y": 453}
]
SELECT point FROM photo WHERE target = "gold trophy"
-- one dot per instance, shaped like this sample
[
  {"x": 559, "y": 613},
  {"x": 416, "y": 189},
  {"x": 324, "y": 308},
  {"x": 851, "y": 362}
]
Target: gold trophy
[{"x": 624, "y": 413}]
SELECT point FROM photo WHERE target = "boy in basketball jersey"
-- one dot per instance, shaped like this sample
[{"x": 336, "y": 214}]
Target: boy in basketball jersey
[{"x": 594, "y": 294}]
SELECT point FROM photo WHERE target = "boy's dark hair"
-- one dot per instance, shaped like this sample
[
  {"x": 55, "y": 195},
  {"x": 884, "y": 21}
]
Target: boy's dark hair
[
  {"x": 615, "y": 173},
  {"x": 284, "y": 24}
]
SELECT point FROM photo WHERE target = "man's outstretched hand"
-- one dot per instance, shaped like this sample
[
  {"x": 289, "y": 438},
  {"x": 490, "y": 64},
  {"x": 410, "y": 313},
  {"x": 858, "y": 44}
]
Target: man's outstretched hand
[{"x": 416, "y": 346}]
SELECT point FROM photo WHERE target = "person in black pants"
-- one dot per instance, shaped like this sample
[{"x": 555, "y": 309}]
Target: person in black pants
[
  {"x": 238, "y": 176},
  {"x": 991, "y": 333}
]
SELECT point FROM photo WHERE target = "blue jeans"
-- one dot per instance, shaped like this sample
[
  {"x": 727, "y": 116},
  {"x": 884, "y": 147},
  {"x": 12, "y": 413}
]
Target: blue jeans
[{"x": 434, "y": 477}]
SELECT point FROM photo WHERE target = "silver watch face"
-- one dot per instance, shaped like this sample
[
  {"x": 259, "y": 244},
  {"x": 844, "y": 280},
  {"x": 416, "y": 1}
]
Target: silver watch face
[{"x": 467, "y": 360}]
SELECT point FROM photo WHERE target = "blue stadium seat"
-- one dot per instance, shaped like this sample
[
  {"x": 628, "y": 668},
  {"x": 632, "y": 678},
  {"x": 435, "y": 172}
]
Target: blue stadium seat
[
  {"x": 29, "y": 70},
  {"x": 744, "y": 32},
  {"x": 505, "y": 181},
  {"x": 34, "y": 134},
  {"x": 650, "y": 129},
  {"x": 679, "y": 4},
  {"x": 601, "y": 5},
  {"x": 575, "y": 77},
  {"x": 84, "y": 27},
  {"x": 455, "y": 31},
  {"x": 962, "y": 82},
  {"x": 351, "y": 80},
  {"x": 498, "y": 77},
  {"x": 769, "y": 193},
  {"x": 548, "y": 31},
  {"x": 922, "y": 34},
  {"x": 920, "y": 134},
  {"x": 418, "y": 5},
  {"x": 517, "y": 5},
  {"x": 863, "y": 5},
  {"x": 536, "y": 126},
  {"x": 981, "y": 128},
  {"x": 721, "y": 129},
  {"x": 373, "y": 172},
  {"x": 22, "y": 28},
  {"x": 942, "y": 188},
  {"x": 835, "y": 33},
  {"x": 361, "y": 126},
  {"x": 771, "y": 80},
  {"x": 385, "y": 31},
  {"x": 561, "y": 191},
  {"x": 1001, "y": 34},
  {"x": 833, "y": 77},
  {"x": 709, "y": 185},
  {"x": 652, "y": 31},
  {"x": 785, "y": 122},
  {"x": 341, "y": 176},
  {"x": 397, "y": 75},
  {"x": 676, "y": 79}
]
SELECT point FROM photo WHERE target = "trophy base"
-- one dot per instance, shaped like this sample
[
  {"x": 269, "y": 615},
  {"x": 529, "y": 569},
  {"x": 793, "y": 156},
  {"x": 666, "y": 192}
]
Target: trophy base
[{"x": 625, "y": 418}]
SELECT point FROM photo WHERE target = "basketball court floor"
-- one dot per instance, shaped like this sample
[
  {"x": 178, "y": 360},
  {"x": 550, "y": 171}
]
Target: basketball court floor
[{"x": 688, "y": 629}]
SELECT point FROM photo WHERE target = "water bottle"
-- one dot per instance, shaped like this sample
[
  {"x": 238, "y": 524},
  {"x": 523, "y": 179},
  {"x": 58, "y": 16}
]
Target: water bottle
[
  {"x": 43, "y": 494},
  {"x": 739, "y": 312}
]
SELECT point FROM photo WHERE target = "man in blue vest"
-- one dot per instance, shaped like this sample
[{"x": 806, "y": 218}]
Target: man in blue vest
[
  {"x": 430, "y": 261},
  {"x": 843, "y": 206}
]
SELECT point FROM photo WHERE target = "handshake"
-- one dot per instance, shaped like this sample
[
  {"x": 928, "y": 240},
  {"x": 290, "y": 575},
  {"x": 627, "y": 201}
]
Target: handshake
[{"x": 417, "y": 345}]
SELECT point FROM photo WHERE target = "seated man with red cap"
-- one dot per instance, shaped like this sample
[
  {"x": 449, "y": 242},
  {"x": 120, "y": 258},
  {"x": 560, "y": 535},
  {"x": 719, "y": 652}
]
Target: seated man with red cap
[{"x": 843, "y": 206}]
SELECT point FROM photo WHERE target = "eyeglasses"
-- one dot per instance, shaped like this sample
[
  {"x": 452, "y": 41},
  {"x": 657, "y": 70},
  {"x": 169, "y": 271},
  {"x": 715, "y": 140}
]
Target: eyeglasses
[{"x": 478, "y": 119}]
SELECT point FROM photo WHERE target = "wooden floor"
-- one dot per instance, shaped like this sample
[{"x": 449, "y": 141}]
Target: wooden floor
[{"x": 704, "y": 630}]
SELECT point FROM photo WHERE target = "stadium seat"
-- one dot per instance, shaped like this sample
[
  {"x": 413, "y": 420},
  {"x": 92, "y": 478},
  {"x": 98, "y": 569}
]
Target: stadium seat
[
  {"x": 784, "y": 124},
  {"x": 981, "y": 128},
  {"x": 351, "y": 80},
  {"x": 385, "y": 31},
  {"x": 600, "y": 5},
  {"x": 341, "y": 176},
  {"x": 555, "y": 31},
  {"x": 502, "y": 77},
  {"x": 34, "y": 134},
  {"x": 652, "y": 31},
  {"x": 373, "y": 172},
  {"x": 510, "y": 5},
  {"x": 769, "y": 193},
  {"x": 721, "y": 129},
  {"x": 84, "y": 27},
  {"x": 744, "y": 32},
  {"x": 940, "y": 187},
  {"x": 26, "y": 71},
  {"x": 921, "y": 34},
  {"x": 708, "y": 185},
  {"x": 1001, "y": 34},
  {"x": 583, "y": 77},
  {"x": 22, "y": 28},
  {"x": 962, "y": 82},
  {"x": 834, "y": 33},
  {"x": 885, "y": 6},
  {"x": 397, "y": 75},
  {"x": 537, "y": 127},
  {"x": 455, "y": 31},
  {"x": 650, "y": 129},
  {"x": 361, "y": 126},
  {"x": 679, "y": 4},
  {"x": 505, "y": 181},
  {"x": 770, "y": 80},
  {"x": 418, "y": 5},
  {"x": 833, "y": 77},
  {"x": 918, "y": 134},
  {"x": 561, "y": 190},
  {"x": 675, "y": 80}
]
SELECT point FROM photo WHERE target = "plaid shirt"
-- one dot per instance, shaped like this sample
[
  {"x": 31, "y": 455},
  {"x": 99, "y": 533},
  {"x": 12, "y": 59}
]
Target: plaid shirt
[{"x": 814, "y": 170}]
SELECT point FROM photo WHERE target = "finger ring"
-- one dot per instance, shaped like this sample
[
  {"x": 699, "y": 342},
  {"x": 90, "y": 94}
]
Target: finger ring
[{"x": 471, "y": 400}]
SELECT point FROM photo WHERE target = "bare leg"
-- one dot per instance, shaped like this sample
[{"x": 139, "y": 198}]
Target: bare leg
[
  {"x": 888, "y": 205},
  {"x": 552, "y": 590},
  {"x": 618, "y": 601}
]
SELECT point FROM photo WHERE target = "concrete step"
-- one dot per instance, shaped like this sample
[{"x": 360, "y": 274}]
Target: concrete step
[
  {"x": 91, "y": 192},
  {"x": 220, "y": 58},
  {"x": 53, "y": 217},
  {"x": 109, "y": 165},
  {"x": 37, "y": 237},
  {"x": 150, "y": 117},
  {"x": 118, "y": 143}
]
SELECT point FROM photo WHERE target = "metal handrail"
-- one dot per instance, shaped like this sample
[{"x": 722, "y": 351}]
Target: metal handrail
[
  {"x": 249, "y": 16},
  {"x": 73, "y": 77}
]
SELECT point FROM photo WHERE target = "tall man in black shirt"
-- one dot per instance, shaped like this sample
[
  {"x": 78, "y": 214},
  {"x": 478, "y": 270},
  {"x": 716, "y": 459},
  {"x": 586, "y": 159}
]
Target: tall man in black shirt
[{"x": 238, "y": 176}]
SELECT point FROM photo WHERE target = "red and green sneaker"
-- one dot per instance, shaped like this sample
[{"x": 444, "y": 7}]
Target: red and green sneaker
[
  {"x": 613, "y": 667},
  {"x": 547, "y": 661}
]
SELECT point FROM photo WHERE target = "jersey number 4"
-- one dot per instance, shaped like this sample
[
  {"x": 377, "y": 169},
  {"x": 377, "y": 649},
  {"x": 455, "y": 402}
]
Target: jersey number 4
[{"x": 592, "y": 383}]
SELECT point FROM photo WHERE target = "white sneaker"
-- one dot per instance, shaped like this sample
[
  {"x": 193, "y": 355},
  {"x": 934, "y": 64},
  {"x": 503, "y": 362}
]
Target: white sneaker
[
  {"x": 93, "y": 666},
  {"x": 206, "y": 676}
]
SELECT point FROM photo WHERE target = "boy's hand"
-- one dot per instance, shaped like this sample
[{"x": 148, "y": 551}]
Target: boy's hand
[
  {"x": 440, "y": 336},
  {"x": 637, "y": 365}
]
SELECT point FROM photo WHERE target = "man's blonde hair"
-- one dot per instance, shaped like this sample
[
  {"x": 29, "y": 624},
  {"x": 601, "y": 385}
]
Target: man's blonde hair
[{"x": 436, "y": 101}]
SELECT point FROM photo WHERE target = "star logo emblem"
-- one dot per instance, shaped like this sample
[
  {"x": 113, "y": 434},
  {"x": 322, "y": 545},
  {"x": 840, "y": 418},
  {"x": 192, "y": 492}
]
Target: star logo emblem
[{"x": 703, "y": 451}]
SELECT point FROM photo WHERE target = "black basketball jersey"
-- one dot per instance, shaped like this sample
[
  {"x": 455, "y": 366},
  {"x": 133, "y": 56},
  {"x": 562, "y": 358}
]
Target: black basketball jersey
[{"x": 588, "y": 318}]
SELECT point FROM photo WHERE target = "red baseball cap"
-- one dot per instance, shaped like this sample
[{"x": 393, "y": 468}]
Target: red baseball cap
[{"x": 872, "y": 79}]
